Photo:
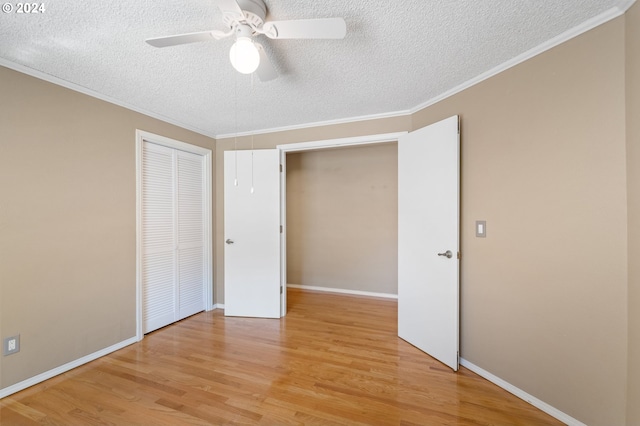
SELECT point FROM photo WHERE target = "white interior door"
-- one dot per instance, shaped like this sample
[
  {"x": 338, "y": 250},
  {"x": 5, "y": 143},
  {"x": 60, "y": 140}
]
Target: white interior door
[
  {"x": 428, "y": 239},
  {"x": 252, "y": 233}
]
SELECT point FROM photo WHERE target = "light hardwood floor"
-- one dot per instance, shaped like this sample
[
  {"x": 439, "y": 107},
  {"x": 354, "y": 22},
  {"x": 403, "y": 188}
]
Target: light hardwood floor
[{"x": 334, "y": 359}]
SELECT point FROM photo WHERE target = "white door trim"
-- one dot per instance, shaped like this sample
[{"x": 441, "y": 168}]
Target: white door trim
[
  {"x": 283, "y": 232},
  {"x": 142, "y": 136},
  {"x": 342, "y": 142}
]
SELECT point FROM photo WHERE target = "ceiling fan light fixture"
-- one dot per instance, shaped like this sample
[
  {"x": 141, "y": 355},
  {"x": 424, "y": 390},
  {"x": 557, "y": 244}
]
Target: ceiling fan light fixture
[
  {"x": 246, "y": 19},
  {"x": 244, "y": 55}
]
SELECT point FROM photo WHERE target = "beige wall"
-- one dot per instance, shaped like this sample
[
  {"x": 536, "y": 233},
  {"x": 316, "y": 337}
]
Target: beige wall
[
  {"x": 342, "y": 218},
  {"x": 543, "y": 162},
  {"x": 633, "y": 191},
  {"x": 271, "y": 140},
  {"x": 67, "y": 222}
]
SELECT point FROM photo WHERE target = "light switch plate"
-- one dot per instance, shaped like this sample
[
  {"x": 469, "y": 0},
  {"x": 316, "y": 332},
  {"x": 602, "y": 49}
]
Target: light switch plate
[{"x": 481, "y": 228}]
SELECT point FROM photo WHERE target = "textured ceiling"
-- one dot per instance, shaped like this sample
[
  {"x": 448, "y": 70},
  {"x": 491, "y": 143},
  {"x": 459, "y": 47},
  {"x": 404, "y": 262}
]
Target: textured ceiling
[{"x": 395, "y": 57}]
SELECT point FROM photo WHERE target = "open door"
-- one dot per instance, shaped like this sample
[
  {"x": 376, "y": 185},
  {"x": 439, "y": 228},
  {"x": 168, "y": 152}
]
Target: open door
[
  {"x": 428, "y": 239},
  {"x": 252, "y": 233}
]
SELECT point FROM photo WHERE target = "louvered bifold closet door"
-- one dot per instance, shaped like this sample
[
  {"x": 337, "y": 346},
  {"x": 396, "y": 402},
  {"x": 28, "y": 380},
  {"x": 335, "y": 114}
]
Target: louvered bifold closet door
[
  {"x": 158, "y": 237},
  {"x": 190, "y": 182}
]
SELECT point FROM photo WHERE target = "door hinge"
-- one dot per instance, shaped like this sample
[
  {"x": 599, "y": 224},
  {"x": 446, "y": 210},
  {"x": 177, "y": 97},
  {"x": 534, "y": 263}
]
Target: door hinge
[
  {"x": 280, "y": 289},
  {"x": 458, "y": 125},
  {"x": 280, "y": 168},
  {"x": 458, "y": 255},
  {"x": 281, "y": 229}
]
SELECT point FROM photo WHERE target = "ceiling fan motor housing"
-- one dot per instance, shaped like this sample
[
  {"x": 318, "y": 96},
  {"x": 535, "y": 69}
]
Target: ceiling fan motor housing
[{"x": 255, "y": 12}]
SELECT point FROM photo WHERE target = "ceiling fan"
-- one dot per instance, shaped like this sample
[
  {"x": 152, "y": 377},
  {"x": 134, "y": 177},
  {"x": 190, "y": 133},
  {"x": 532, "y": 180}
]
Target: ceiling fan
[{"x": 246, "y": 19}]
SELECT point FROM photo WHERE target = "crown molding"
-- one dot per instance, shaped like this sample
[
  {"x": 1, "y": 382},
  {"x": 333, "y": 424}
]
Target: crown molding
[
  {"x": 603, "y": 18},
  {"x": 86, "y": 91},
  {"x": 590, "y": 24},
  {"x": 318, "y": 124}
]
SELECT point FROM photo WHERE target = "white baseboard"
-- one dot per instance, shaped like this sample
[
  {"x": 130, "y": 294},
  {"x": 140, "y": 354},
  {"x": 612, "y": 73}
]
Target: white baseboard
[
  {"x": 552, "y": 411},
  {"x": 218, "y": 306},
  {"x": 64, "y": 368},
  {"x": 344, "y": 291}
]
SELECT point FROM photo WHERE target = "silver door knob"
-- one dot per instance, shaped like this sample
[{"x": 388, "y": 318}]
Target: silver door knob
[
  {"x": 229, "y": 241},
  {"x": 446, "y": 254}
]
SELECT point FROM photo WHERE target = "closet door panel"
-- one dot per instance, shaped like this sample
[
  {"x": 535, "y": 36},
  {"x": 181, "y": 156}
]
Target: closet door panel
[
  {"x": 159, "y": 291},
  {"x": 158, "y": 241},
  {"x": 190, "y": 233},
  {"x": 191, "y": 298}
]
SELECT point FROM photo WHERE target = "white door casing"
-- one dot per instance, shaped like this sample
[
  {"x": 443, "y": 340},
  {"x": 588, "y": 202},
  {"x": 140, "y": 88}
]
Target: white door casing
[
  {"x": 428, "y": 224},
  {"x": 252, "y": 233},
  {"x": 283, "y": 233}
]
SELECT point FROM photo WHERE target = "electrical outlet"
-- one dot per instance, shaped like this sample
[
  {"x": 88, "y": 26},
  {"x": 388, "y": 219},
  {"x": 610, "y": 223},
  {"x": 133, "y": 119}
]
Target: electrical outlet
[{"x": 11, "y": 345}]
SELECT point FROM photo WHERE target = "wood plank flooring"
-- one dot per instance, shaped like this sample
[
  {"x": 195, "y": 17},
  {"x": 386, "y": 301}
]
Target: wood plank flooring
[{"x": 334, "y": 360}]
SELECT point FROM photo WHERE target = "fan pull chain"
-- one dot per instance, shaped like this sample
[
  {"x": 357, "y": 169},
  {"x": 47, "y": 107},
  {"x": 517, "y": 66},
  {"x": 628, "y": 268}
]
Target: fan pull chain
[
  {"x": 252, "y": 136},
  {"x": 235, "y": 136},
  {"x": 252, "y": 171}
]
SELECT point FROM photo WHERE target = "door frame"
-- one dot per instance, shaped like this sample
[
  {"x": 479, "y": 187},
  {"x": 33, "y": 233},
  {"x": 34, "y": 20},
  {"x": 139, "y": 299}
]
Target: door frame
[
  {"x": 142, "y": 136},
  {"x": 313, "y": 146}
]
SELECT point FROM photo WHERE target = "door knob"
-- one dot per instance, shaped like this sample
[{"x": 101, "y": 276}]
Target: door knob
[
  {"x": 446, "y": 254},
  {"x": 229, "y": 241}
]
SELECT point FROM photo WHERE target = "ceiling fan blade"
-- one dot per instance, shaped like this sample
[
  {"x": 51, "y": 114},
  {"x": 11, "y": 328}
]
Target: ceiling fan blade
[
  {"x": 187, "y": 38},
  {"x": 265, "y": 70},
  {"x": 333, "y": 28},
  {"x": 230, "y": 7}
]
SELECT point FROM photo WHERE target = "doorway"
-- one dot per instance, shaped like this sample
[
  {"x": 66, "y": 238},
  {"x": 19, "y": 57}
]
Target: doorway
[
  {"x": 342, "y": 220},
  {"x": 369, "y": 140}
]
